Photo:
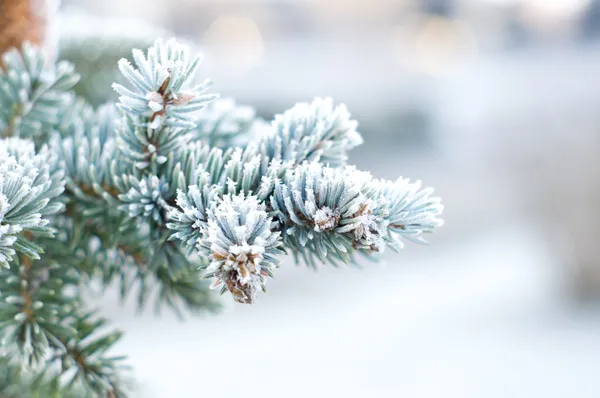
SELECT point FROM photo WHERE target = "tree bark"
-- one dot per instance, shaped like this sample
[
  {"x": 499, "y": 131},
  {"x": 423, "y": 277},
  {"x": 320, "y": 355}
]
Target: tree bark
[{"x": 24, "y": 20}]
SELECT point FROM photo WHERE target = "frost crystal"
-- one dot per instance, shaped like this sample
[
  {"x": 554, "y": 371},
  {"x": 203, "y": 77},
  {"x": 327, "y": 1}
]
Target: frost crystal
[
  {"x": 28, "y": 185},
  {"x": 329, "y": 212},
  {"x": 315, "y": 132},
  {"x": 190, "y": 218},
  {"x": 325, "y": 219},
  {"x": 241, "y": 246},
  {"x": 159, "y": 88},
  {"x": 367, "y": 227},
  {"x": 6, "y": 239},
  {"x": 145, "y": 198},
  {"x": 326, "y": 210},
  {"x": 413, "y": 211},
  {"x": 165, "y": 188}
]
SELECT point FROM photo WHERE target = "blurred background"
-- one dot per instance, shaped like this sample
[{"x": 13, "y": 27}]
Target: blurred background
[{"x": 493, "y": 102}]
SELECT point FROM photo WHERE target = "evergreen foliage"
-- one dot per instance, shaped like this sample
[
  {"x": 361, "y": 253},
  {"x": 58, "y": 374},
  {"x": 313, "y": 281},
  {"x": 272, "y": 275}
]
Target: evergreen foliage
[{"x": 156, "y": 194}]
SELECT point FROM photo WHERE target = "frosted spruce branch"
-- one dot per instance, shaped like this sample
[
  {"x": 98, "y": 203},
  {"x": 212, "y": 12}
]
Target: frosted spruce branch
[
  {"x": 327, "y": 212},
  {"x": 161, "y": 191},
  {"x": 116, "y": 204},
  {"x": 330, "y": 213},
  {"x": 241, "y": 246},
  {"x": 30, "y": 184},
  {"x": 160, "y": 101},
  {"x": 40, "y": 314},
  {"x": 315, "y": 131},
  {"x": 44, "y": 326},
  {"x": 33, "y": 92}
]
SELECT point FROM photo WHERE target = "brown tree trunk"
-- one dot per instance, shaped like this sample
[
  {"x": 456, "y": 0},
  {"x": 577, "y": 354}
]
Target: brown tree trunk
[{"x": 22, "y": 20}]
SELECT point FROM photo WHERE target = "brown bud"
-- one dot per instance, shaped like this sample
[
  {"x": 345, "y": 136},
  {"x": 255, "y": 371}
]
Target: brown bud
[{"x": 243, "y": 294}]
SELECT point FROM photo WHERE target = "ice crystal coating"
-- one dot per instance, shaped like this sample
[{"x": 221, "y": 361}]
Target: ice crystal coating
[
  {"x": 315, "y": 131},
  {"x": 413, "y": 211},
  {"x": 146, "y": 198},
  {"x": 32, "y": 92},
  {"x": 190, "y": 217},
  {"x": 241, "y": 246},
  {"x": 325, "y": 210},
  {"x": 160, "y": 85},
  {"x": 169, "y": 191},
  {"x": 29, "y": 183}
]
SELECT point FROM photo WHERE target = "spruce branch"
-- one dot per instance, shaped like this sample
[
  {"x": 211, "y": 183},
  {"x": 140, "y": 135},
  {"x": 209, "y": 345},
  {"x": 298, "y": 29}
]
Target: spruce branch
[
  {"x": 33, "y": 94},
  {"x": 325, "y": 210},
  {"x": 145, "y": 198},
  {"x": 29, "y": 189},
  {"x": 86, "y": 145},
  {"x": 161, "y": 191},
  {"x": 112, "y": 201},
  {"x": 44, "y": 324},
  {"x": 160, "y": 88},
  {"x": 241, "y": 246},
  {"x": 84, "y": 361},
  {"x": 413, "y": 211},
  {"x": 312, "y": 132},
  {"x": 190, "y": 216}
]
